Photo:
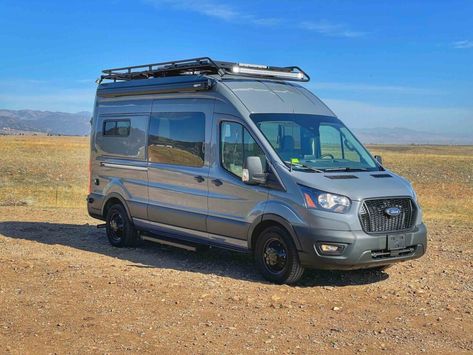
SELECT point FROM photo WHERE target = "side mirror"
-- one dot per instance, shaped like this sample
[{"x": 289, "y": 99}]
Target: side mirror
[
  {"x": 379, "y": 159},
  {"x": 253, "y": 172}
]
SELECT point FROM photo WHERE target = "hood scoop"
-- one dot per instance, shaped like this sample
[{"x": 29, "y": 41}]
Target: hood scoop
[
  {"x": 381, "y": 175},
  {"x": 341, "y": 177}
]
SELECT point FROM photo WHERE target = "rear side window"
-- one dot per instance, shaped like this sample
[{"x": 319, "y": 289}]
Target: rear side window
[
  {"x": 177, "y": 138},
  {"x": 116, "y": 128}
]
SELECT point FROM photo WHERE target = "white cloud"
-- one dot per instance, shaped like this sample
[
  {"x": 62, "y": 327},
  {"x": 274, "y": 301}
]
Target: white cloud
[
  {"x": 215, "y": 9},
  {"x": 229, "y": 13},
  {"x": 331, "y": 29},
  {"x": 462, "y": 44},
  {"x": 392, "y": 89},
  {"x": 208, "y": 8}
]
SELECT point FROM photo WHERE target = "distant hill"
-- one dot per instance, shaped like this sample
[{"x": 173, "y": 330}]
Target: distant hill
[
  {"x": 31, "y": 121},
  {"x": 401, "y": 135}
]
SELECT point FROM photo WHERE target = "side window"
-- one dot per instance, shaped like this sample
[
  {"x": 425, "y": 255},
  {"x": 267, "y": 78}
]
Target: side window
[
  {"x": 236, "y": 144},
  {"x": 116, "y": 128},
  {"x": 122, "y": 137},
  {"x": 330, "y": 142},
  {"x": 177, "y": 138}
]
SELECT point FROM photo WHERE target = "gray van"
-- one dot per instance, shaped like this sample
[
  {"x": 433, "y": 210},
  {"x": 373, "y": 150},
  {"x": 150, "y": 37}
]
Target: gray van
[{"x": 241, "y": 157}]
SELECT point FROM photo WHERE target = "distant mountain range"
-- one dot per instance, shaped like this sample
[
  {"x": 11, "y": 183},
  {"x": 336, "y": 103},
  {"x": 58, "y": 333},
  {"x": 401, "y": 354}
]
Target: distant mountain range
[
  {"x": 400, "y": 135},
  {"x": 46, "y": 122}
]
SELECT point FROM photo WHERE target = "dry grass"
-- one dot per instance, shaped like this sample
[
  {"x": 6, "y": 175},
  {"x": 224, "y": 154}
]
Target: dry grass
[
  {"x": 43, "y": 171},
  {"x": 442, "y": 177},
  {"x": 53, "y": 172}
]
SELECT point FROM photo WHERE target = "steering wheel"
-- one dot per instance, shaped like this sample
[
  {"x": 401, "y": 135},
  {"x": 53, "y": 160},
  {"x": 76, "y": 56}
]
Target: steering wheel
[{"x": 327, "y": 155}]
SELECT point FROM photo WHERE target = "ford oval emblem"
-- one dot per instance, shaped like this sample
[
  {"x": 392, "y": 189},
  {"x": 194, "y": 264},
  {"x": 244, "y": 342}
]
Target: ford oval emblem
[{"x": 393, "y": 211}]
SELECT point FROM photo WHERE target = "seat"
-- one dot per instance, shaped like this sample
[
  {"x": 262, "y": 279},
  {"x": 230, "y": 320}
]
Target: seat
[{"x": 287, "y": 147}]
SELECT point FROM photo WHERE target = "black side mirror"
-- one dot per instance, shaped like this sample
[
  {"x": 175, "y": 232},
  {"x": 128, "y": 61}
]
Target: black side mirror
[
  {"x": 253, "y": 172},
  {"x": 379, "y": 159}
]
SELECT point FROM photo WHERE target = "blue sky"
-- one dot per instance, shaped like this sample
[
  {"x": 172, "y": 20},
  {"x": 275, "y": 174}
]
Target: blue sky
[{"x": 376, "y": 63}]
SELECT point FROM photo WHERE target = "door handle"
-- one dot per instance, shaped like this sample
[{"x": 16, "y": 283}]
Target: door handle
[
  {"x": 217, "y": 182},
  {"x": 199, "y": 178}
]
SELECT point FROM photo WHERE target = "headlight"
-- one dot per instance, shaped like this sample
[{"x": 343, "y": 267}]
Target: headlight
[{"x": 325, "y": 201}]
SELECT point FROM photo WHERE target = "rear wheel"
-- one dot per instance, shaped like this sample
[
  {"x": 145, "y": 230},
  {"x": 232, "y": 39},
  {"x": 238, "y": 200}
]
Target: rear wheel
[
  {"x": 120, "y": 229},
  {"x": 276, "y": 256}
]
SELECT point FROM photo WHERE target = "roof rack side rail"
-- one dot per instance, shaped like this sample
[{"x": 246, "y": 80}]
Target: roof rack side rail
[
  {"x": 173, "y": 62},
  {"x": 203, "y": 66}
]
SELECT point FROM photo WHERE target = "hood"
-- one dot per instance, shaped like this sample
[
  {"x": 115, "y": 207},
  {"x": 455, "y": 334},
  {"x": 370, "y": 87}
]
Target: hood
[{"x": 357, "y": 185}]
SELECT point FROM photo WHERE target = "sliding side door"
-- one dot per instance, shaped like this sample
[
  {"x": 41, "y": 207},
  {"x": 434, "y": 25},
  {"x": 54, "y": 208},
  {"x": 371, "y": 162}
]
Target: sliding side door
[{"x": 178, "y": 169}]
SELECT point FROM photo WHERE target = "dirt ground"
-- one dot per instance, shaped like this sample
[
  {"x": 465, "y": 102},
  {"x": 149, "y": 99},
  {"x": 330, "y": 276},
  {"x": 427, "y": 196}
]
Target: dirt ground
[{"x": 63, "y": 289}]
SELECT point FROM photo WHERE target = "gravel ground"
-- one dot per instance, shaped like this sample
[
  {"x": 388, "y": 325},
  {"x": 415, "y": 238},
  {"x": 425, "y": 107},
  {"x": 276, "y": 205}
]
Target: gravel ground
[{"x": 63, "y": 289}]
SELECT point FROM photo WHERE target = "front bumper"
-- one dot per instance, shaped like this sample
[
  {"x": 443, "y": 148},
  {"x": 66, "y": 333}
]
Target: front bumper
[{"x": 362, "y": 250}]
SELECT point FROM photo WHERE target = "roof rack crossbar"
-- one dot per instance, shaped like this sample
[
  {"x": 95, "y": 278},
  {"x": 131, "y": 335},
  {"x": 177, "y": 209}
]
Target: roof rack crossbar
[{"x": 201, "y": 65}]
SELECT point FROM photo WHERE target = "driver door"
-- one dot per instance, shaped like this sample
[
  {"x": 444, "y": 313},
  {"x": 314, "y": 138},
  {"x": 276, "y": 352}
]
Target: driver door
[{"x": 232, "y": 204}]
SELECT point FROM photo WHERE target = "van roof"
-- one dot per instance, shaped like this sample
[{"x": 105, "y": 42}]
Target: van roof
[{"x": 260, "y": 89}]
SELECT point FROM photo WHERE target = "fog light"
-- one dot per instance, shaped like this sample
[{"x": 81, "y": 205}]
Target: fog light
[
  {"x": 331, "y": 248},
  {"x": 327, "y": 248}
]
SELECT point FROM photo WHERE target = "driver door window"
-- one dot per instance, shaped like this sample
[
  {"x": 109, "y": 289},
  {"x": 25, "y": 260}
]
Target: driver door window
[{"x": 236, "y": 144}]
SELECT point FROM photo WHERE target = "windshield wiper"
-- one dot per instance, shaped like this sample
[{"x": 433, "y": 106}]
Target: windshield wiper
[
  {"x": 299, "y": 165},
  {"x": 344, "y": 168}
]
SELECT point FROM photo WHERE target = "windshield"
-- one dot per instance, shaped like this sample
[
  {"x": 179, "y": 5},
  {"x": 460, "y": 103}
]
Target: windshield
[{"x": 318, "y": 142}]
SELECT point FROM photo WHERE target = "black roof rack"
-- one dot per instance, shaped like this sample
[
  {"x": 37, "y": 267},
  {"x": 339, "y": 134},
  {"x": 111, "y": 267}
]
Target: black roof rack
[{"x": 203, "y": 66}]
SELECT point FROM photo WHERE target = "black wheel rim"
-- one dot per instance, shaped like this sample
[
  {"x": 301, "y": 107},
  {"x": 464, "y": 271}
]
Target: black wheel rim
[
  {"x": 275, "y": 256},
  {"x": 116, "y": 226}
]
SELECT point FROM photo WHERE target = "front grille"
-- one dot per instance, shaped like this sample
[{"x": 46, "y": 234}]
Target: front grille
[{"x": 374, "y": 218}]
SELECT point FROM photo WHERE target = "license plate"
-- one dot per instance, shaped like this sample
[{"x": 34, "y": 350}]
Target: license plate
[{"x": 396, "y": 242}]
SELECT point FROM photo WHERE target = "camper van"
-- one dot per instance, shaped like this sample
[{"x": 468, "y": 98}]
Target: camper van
[{"x": 243, "y": 157}]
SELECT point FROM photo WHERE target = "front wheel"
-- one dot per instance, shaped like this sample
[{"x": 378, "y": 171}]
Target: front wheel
[
  {"x": 120, "y": 229},
  {"x": 276, "y": 256}
]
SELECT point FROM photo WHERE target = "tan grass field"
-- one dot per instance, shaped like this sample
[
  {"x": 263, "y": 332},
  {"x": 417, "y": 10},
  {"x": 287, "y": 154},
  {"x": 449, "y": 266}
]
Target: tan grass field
[
  {"x": 441, "y": 175},
  {"x": 53, "y": 172},
  {"x": 43, "y": 171}
]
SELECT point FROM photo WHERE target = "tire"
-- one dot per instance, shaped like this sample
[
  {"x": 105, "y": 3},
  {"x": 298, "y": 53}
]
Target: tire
[
  {"x": 120, "y": 229},
  {"x": 276, "y": 256}
]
